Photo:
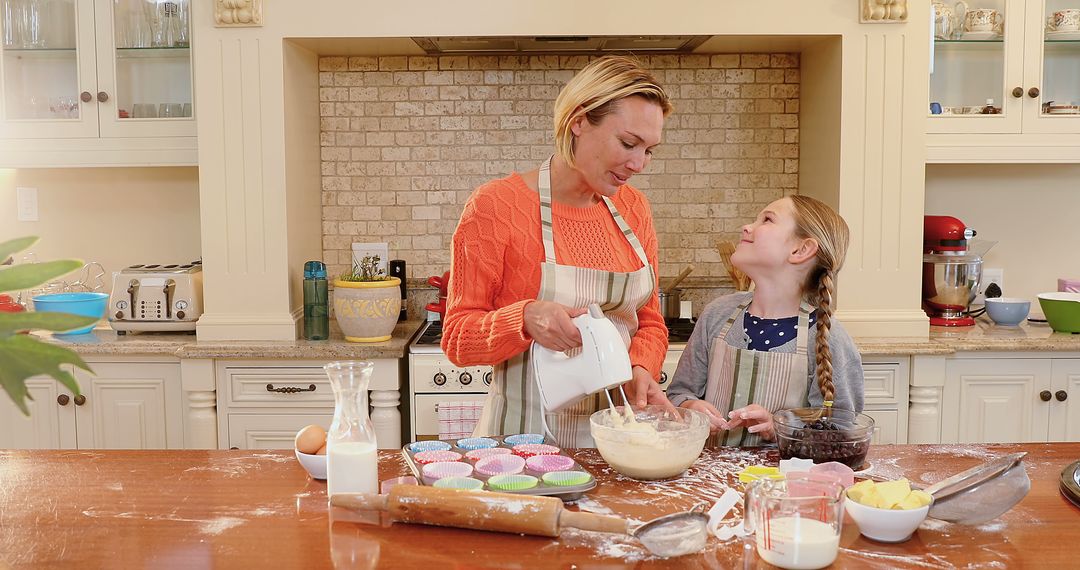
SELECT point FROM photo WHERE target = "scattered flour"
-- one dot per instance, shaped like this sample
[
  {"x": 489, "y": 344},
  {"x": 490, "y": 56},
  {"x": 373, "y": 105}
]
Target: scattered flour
[{"x": 220, "y": 525}]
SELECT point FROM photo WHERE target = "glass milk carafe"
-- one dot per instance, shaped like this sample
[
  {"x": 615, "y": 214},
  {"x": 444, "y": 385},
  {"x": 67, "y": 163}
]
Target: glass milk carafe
[
  {"x": 796, "y": 521},
  {"x": 352, "y": 463}
]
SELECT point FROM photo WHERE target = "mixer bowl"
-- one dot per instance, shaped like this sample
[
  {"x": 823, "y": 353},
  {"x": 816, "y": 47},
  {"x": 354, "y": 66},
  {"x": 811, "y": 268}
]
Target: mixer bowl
[
  {"x": 662, "y": 446},
  {"x": 950, "y": 284}
]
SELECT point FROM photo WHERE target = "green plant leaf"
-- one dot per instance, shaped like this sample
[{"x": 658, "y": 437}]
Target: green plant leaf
[
  {"x": 30, "y": 275},
  {"x": 23, "y": 356},
  {"x": 58, "y": 322},
  {"x": 11, "y": 247}
]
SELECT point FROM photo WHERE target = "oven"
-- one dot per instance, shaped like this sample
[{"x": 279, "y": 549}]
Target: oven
[{"x": 434, "y": 381}]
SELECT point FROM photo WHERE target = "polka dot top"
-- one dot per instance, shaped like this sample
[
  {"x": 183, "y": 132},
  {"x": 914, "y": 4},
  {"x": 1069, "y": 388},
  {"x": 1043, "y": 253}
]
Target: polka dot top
[{"x": 766, "y": 334}]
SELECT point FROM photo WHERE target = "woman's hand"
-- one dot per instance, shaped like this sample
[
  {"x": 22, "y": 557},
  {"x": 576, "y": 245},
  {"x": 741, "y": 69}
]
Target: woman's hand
[
  {"x": 717, "y": 423},
  {"x": 756, "y": 419},
  {"x": 642, "y": 389},
  {"x": 549, "y": 324}
]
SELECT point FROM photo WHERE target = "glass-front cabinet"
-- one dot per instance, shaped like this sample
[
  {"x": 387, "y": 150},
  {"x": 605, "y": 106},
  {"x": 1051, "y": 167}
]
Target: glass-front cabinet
[
  {"x": 96, "y": 69},
  {"x": 1004, "y": 67}
]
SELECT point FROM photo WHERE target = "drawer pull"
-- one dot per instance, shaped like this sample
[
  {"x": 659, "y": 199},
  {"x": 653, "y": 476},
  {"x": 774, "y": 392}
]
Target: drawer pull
[{"x": 289, "y": 389}]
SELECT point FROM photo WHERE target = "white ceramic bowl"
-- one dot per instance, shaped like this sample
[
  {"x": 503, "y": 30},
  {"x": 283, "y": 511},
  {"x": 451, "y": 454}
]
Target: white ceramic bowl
[
  {"x": 1007, "y": 311},
  {"x": 885, "y": 525},
  {"x": 315, "y": 465}
]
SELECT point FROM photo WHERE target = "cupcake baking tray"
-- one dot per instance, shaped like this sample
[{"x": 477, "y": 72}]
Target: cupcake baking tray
[{"x": 521, "y": 464}]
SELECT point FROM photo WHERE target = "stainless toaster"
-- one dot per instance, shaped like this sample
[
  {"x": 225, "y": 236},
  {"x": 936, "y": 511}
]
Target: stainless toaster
[{"x": 156, "y": 298}]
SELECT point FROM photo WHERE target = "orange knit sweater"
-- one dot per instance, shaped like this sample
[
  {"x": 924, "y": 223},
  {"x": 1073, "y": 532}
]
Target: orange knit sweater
[{"x": 495, "y": 268}]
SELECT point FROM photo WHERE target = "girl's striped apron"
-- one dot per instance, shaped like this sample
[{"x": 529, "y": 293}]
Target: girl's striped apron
[
  {"x": 513, "y": 402},
  {"x": 739, "y": 376}
]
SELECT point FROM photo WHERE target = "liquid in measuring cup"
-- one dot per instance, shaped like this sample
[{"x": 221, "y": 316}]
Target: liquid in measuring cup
[
  {"x": 796, "y": 521},
  {"x": 797, "y": 543}
]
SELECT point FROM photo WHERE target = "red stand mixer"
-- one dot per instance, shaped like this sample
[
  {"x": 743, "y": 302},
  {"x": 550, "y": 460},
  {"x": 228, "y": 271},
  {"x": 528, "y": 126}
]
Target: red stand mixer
[{"x": 952, "y": 269}]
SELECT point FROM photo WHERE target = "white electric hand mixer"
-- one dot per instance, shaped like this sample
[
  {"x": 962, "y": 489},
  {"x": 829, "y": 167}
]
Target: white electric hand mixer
[{"x": 602, "y": 364}]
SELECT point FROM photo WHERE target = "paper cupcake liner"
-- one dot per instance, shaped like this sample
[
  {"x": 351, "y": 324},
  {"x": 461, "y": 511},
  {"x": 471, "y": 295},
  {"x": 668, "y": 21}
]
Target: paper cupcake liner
[
  {"x": 434, "y": 471},
  {"x": 540, "y": 464},
  {"x": 531, "y": 449},
  {"x": 522, "y": 438},
  {"x": 478, "y": 454},
  {"x": 500, "y": 465},
  {"x": 566, "y": 478},
  {"x": 425, "y": 457},
  {"x": 512, "y": 482},
  {"x": 467, "y": 483},
  {"x": 471, "y": 443},
  {"x": 429, "y": 445}
]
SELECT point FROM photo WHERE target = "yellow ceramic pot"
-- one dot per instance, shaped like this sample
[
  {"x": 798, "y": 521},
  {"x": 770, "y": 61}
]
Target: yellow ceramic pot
[{"x": 367, "y": 311}]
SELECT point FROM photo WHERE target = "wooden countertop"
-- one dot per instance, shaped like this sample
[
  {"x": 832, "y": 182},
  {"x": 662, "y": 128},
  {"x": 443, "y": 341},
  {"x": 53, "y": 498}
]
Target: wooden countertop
[{"x": 252, "y": 509}]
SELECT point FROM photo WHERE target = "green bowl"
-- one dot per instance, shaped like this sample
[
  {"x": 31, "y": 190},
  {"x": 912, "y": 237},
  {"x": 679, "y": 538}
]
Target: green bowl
[{"x": 1062, "y": 311}]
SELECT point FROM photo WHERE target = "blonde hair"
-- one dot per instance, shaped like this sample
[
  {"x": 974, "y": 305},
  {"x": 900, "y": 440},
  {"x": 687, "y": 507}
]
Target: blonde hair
[
  {"x": 595, "y": 92},
  {"x": 816, "y": 220}
]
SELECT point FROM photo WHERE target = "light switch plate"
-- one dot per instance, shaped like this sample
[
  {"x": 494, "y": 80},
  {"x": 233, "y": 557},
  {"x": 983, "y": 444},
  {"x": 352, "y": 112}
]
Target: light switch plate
[{"x": 26, "y": 204}]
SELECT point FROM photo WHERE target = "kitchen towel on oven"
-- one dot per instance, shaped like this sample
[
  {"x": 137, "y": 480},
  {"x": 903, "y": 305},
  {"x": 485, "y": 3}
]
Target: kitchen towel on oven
[{"x": 457, "y": 419}]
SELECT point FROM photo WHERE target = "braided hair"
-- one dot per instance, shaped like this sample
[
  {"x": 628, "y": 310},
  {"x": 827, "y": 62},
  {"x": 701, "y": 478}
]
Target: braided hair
[{"x": 816, "y": 220}]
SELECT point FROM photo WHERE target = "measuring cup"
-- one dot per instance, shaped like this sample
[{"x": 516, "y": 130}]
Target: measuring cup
[{"x": 796, "y": 521}]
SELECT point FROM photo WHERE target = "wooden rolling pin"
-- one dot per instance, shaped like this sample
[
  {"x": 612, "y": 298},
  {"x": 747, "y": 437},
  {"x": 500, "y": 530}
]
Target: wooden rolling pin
[{"x": 480, "y": 510}]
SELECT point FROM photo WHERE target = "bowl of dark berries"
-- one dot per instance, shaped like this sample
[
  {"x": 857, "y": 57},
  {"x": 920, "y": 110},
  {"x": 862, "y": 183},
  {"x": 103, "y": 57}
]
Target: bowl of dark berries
[{"x": 824, "y": 434}]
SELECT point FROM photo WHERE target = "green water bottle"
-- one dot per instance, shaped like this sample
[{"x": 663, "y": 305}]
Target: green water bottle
[{"x": 316, "y": 307}]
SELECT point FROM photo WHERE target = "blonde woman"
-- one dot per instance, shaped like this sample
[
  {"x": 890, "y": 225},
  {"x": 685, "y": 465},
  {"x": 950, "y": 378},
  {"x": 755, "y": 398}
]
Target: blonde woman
[
  {"x": 532, "y": 250},
  {"x": 752, "y": 354}
]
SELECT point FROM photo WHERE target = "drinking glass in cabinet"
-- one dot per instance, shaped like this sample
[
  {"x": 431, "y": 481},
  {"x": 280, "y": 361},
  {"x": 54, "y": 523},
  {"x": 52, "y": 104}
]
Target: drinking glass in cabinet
[
  {"x": 1061, "y": 59},
  {"x": 38, "y": 24}
]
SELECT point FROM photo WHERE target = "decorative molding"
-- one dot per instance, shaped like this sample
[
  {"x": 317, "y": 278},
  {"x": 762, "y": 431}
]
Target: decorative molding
[
  {"x": 238, "y": 13},
  {"x": 880, "y": 11}
]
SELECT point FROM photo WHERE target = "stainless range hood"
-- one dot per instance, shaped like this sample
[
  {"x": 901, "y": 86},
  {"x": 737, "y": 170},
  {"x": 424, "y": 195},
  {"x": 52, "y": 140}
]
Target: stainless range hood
[{"x": 558, "y": 44}]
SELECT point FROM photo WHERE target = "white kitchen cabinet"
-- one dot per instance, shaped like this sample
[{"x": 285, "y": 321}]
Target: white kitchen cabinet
[
  {"x": 885, "y": 396},
  {"x": 1028, "y": 72},
  {"x": 123, "y": 405},
  {"x": 1009, "y": 398},
  {"x": 262, "y": 404},
  {"x": 101, "y": 83}
]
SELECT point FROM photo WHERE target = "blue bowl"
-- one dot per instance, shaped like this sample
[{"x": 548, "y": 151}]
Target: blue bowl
[
  {"x": 1008, "y": 311},
  {"x": 85, "y": 304}
]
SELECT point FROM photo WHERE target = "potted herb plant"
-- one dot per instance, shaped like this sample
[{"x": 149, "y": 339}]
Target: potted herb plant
[
  {"x": 23, "y": 355},
  {"x": 367, "y": 302}
]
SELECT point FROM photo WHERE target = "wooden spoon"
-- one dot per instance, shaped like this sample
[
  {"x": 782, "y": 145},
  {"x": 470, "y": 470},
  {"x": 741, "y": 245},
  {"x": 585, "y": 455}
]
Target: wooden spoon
[{"x": 678, "y": 278}]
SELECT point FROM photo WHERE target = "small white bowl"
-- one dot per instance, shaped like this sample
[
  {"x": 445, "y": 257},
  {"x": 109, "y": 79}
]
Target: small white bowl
[
  {"x": 315, "y": 465},
  {"x": 885, "y": 525}
]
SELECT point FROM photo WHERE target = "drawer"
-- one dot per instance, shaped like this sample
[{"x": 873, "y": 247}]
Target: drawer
[
  {"x": 883, "y": 383},
  {"x": 272, "y": 387},
  {"x": 271, "y": 431},
  {"x": 885, "y": 426},
  {"x": 425, "y": 412}
]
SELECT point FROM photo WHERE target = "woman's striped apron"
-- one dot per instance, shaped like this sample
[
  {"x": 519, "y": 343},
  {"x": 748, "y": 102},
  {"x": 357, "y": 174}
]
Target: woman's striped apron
[
  {"x": 513, "y": 402},
  {"x": 739, "y": 376}
]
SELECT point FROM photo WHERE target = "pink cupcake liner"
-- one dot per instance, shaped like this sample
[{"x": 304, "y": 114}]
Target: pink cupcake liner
[
  {"x": 432, "y": 472},
  {"x": 425, "y": 457},
  {"x": 540, "y": 464},
  {"x": 478, "y": 454},
  {"x": 530, "y": 449},
  {"x": 500, "y": 465}
]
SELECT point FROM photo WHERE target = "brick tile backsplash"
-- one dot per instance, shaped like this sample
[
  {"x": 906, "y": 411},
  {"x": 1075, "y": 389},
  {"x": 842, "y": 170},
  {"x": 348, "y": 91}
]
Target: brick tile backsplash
[{"x": 406, "y": 139}]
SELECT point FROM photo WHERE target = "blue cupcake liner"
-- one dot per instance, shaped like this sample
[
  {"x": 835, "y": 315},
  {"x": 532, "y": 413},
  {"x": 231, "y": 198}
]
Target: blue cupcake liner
[
  {"x": 429, "y": 445},
  {"x": 523, "y": 438},
  {"x": 471, "y": 443}
]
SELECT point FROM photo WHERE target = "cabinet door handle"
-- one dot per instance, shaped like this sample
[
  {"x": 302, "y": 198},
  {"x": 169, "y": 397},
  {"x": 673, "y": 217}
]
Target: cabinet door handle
[
  {"x": 63, "y": 399},
  {"x": 80, "y": 400},
  {"x": 1045, "y": 395},
  {"x": 85, "y": 97},
  {"x": 1018, "y": 92},
  {"x": 1033, "y": 92},
  {"x": 102, "y": 96},
  {"x": 289, "y": 389},
  {"x": 1061, "y": 395}
]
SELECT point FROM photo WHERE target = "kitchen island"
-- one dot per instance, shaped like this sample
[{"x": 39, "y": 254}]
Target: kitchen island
[{"x": 251, "y": 509}]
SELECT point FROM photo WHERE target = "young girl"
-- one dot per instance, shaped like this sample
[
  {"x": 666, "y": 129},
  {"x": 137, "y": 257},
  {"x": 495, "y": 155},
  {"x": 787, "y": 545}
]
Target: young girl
[{"x": 747, "y": 356}]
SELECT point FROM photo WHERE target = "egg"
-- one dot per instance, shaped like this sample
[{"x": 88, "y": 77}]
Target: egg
[
  {"x": 322, "y": 450},
  {"x": 310, "y": 439}
]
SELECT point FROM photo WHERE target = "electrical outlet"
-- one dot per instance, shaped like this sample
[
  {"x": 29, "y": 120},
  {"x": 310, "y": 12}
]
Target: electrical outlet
[
  {"x": 990, "y": 275},
  {"x": 26, "y": 204}
]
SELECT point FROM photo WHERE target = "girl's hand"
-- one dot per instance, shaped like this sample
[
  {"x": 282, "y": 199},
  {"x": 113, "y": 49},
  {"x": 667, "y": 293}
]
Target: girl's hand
[
  {"x": 549, "y": 324},
  {"x": 717, "y": 423},
  {"x": 642, "y": 389},
  {"x": 756, "y": 419}
]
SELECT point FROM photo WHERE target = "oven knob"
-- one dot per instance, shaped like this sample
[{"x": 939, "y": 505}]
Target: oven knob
[
  {"x": 439, "y": 378},
  {"x": 121, "y": 305},
  {"x": 119, "y": 314},
  {"x": 465, "y": 378},
  {"x": 180, "y": 315},
  {"x": 181, "y": 305},
  {"x": 663, "y": 377},
  {"x": 487, "y": 379}
]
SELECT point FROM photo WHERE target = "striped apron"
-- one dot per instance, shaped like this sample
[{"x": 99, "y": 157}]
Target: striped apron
[
  {"x": 740, "y": 376},
  {"x": 513, "y": 401}
]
